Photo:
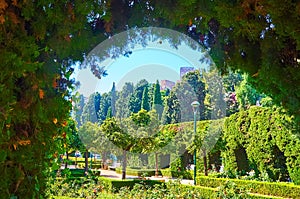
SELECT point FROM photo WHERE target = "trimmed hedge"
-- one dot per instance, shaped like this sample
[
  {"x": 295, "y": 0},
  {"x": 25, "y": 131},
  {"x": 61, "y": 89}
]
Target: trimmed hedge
[
  {"x": 209, "y": 193},
  {"x": 151, "y": 172},
  {"x": 175, "y": 174},
  {"x": 113, "y": 185},
  {"x": 139, "y": 172},
  {"x": 264, "y": 188}
]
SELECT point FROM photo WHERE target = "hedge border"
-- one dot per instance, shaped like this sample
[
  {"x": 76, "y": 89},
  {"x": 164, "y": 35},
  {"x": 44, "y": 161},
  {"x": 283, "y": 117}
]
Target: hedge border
[{"x": 256, "y": 187}]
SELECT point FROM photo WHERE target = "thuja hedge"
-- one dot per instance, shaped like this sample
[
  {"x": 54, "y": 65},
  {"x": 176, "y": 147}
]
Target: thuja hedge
[
  {"x": 265, "y": 140},
  {"x": 265, "y": 188}
]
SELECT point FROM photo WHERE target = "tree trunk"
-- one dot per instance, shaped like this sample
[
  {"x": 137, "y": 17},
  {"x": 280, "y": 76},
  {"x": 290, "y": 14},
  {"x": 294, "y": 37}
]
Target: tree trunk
[
  {"x": 67, "y": 159},
  {"x": 205, "y": 162},
  {"x": 103, "y": 160},
  {"x": 156, "y": 164},
  {"x": 86, "y": 158},
  {"x": 124, "y": 165}
]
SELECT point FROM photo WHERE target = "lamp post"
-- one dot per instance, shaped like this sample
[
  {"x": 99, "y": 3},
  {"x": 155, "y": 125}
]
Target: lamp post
[{"x": 195, "y": 105}]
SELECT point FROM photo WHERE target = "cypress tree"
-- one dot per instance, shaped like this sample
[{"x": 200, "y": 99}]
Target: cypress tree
[
  {"x": 157, "y": 101},
  {"x": 145, "y": 100},
  {"x": 157, "y": 95},
  {"x": 113, "y": 100}
]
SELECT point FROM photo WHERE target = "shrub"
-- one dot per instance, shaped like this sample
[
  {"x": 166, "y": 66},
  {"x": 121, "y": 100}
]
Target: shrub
[
  {"x": 139, "y": 172},
  {"x": 230, "y": 190},
  {"x": 175, "y": 174},
  {"x": 265, "y": 188},
  {"x": 113, "y": 185}
]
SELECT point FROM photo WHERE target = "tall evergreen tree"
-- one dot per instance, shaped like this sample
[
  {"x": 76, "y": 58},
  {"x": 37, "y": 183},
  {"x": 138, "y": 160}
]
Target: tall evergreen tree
[
  {"x": 191, "y": 88},
  {"x": 91, "y": 109},
  {"x": 171, "y": 112},
  {"x": 145, "y": 100},
  {"x": 105, "y": 103},
  {"x": 157, "y": 100},
  {"x": 136, "y": 98},
  {"x": 113, "y": 93},
  {"x": 122, "y": 103},
  {"x": 215, "y": 105}
]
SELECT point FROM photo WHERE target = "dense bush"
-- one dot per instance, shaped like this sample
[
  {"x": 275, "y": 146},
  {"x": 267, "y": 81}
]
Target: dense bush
[
  {"x": 265, "y": 140},
  {"x": 264, "y": 188}
]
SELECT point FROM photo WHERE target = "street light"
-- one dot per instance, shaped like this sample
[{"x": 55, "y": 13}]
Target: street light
[{"x": 195, "y": 105}]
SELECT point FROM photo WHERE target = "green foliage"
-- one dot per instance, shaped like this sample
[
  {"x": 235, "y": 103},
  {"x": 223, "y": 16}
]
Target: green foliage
[
  {"x": 109, "y": 113},
  {"x": 246, "y": 94},
  {"x": 79, "y": 187},
  {"x": 113, "y": 93},
  {"x": 117, "y": 135},
  {"x": 105, "y": 104},
  {"x": 157, "y": 100},
  {"x": 167, "y": 190},
  {"x": 145, "y": 100},
  {"x": 138, "y": 172},
  {"x": 78, "y": 109},
  {"x": 258, "y": 38},
  {"x": 142, "y": 118},
  {"x": 171, "y": 113},
  {"x": 72, "y": 139},
  {"x": 189, "y": 89},
  {"x": 122, "y": 103},
  {"x": 267, "y": 138},
  {"x": 114, "y": 185},
  {"x": 230, "y": 190},
  {"x": 264, "y": 188},
  {"x": 39, "y": 42},
  {"x": 214, "y": 104},
  {"x": 91, "y": 108},
  {"x": 175, "y": 173},
  {"x": 136, "y": 98}
]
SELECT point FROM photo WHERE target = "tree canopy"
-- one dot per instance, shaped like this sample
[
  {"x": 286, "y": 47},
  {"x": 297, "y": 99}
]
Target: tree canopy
[{"x": 41, "y": 41}]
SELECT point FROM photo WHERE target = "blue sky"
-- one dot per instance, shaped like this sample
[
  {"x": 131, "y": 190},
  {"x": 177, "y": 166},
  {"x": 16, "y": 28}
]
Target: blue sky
[{"x": 150, "y": 63}]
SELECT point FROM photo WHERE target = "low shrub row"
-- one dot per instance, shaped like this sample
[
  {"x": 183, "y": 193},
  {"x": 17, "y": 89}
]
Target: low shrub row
[
  {"x": 264, "y": 188},
  {"x": 152, "y": 189},
  {"x": 139, "y": 172},
  {"x": 75, "y": 173},
  {"x": 177, "y": 174},
  {"x": 113, "y": 185},
  {"x": 151, "y": 172},
  {"x": 94, "y": 165},
  {"x": 143, "y": 189}
]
